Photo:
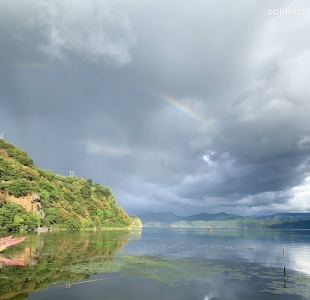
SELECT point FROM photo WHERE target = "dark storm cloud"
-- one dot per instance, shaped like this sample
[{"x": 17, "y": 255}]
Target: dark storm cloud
[
  {"x": 248, "y": 179},
  {"x": 75, "y": 92}
]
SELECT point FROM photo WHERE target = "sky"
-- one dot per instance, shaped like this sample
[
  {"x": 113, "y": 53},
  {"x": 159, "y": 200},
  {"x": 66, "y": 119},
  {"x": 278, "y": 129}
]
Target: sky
[{"x": 179, "y": 106}]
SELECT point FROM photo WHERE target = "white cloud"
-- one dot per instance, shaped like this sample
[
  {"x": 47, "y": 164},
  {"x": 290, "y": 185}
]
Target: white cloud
[
  {"x": 206, "y": 158},
  {"x": 267, "y": 202},
  {"x": 266, "y": 140},
  {"x": 17, "y": 37},
  {"x": 300, "y": 201},
  {"x": 93, "y": 147},
  {"x": 304, "y": 143},
  {"x": 95, "y": 29}
]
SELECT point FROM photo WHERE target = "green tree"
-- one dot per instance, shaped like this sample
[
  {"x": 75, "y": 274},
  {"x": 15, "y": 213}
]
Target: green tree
[
  {"x": 19, "y": 187},
  {"x": 72, "y": 224},
  {"x": 33, "y": 221},
  {"x": 97, "y": 222},
  {"x": 18, "y": 221},
  {"x": 86, "y": 190}
]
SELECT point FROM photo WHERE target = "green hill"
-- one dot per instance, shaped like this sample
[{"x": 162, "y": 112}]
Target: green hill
[
  {"x": 32, "y": 197},
  {"x": 223, "y": 220}
]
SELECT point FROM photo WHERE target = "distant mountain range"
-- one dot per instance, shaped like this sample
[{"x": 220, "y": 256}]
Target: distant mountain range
[
  {"x": 171, "y": 218},
  {"x": 281, "y": 216},
  {"x": 223, "y": 220}
]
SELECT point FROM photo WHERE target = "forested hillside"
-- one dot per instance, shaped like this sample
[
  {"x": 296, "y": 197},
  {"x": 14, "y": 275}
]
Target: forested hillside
[
  {"x": 223, "y": 220},
  {"x": 32, "y": 197}
]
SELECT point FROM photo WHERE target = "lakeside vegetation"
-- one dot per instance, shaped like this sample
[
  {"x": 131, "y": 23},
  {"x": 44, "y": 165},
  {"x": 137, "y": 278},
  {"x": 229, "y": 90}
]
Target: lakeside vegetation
[{"x": 67, "y": 202}]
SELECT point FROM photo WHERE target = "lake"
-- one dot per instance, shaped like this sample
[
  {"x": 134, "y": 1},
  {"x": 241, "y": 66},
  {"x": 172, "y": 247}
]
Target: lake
[{"x": 159, "y": 263}]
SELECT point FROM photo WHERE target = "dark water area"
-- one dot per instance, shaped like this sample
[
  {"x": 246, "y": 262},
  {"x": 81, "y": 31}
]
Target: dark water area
[{"x": 158, "y": 263}]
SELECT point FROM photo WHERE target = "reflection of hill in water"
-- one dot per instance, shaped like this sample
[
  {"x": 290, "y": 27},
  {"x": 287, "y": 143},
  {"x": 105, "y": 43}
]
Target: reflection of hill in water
[{"x": 48, "y": 256}]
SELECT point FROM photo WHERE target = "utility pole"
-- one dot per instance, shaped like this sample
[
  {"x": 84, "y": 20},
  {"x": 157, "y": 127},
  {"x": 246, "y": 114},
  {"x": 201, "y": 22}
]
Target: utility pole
[
  {"x": 1, "y": 135},
  {"x": 71, "y": 173}
]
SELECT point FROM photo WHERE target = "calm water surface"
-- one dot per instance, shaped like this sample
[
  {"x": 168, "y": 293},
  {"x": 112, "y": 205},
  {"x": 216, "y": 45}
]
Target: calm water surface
[{"x": 159, "y": 264}]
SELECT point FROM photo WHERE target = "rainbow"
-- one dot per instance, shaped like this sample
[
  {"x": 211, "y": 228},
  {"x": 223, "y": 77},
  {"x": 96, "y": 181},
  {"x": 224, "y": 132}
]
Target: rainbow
[
  {"x": 179, "y": 106},
  {"x": 185, "y": 110},
  {"x": 182, "y": 108}
]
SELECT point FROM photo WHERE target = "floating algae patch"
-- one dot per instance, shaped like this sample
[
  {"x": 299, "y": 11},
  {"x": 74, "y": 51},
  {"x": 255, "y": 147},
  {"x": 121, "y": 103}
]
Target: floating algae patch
[
  {"x": 271, "y": 280},
  {"x": 155, "y": 268},
  {"x": 176, "y": 271},
  {"x": 169, "y": 271},
  {"x": 96, "y": 267},
  {"x": 296, "y": 284}
]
